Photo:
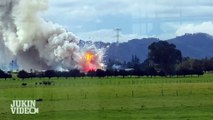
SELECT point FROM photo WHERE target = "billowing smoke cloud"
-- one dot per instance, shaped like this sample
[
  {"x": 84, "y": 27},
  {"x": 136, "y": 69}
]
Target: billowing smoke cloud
[{"x": 41, "y": 45}]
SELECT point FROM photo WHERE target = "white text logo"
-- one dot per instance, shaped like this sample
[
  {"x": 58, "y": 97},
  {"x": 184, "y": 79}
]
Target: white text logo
[{"x": 24, "y": 107}]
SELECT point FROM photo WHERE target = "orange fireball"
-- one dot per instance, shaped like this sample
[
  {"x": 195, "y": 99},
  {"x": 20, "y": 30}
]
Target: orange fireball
[
  {"x": 89, "y": 57},
  {"x": 88, "y": 64}
]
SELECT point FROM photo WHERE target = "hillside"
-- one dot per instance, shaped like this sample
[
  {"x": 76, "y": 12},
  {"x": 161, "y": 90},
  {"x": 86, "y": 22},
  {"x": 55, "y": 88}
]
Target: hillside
[{"x": 198, "y": 45}]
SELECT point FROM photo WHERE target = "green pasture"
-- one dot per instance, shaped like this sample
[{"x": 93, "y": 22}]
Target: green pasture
[{"x": 117, "y": 98}]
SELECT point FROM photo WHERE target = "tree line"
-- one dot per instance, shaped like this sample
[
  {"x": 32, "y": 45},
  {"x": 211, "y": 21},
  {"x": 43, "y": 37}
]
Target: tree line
[
  {"x": 164, "y": 59},
  {"x": 187, "y": 67},
  {"x": 5, "y": 75}
]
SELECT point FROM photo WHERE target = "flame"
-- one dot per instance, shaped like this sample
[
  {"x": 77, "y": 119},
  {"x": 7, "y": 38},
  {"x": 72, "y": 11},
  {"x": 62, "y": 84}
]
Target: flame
[{"x": 89, "y": 59}]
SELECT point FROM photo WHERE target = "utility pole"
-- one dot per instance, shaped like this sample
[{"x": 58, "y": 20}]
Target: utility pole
[{"x": 117, "y": 30}]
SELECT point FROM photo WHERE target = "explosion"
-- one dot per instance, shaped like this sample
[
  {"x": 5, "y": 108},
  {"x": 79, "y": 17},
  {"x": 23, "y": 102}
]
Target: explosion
[
  {"x": 91, "y": 60},
  {"x": 41, "y": 45}
]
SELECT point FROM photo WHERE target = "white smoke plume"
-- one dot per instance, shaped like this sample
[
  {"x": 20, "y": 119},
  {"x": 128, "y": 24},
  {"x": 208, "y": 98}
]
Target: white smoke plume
[{"x": 42, "y": 45}]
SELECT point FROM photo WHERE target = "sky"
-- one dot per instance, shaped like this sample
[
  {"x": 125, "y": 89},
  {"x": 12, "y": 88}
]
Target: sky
[{"x": 96, "y": 20}]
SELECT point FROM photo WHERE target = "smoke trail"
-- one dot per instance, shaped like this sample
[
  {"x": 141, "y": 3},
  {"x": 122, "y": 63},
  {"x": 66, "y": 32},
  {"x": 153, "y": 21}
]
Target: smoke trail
[{"x": 39, "y": 44}]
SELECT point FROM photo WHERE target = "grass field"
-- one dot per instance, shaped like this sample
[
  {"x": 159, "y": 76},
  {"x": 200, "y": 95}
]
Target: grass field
[{"x": 189, "y": 98}]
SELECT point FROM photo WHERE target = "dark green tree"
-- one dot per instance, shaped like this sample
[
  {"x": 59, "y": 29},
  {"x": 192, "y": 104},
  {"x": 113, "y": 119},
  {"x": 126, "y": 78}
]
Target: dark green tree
[
  {"x": 100, "y": 73},
  {"x": 185, "y": 67},
  {"x": 23, "y": 74},
  {"x": 164, "y": 56},
  {"x": 91, "y": 73},
  {"x": 74, "y": 73},
  {"x": 50, "y": 73},
  {"x": 5, "y": 75},
  {"x": 208, "y": 64}
]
